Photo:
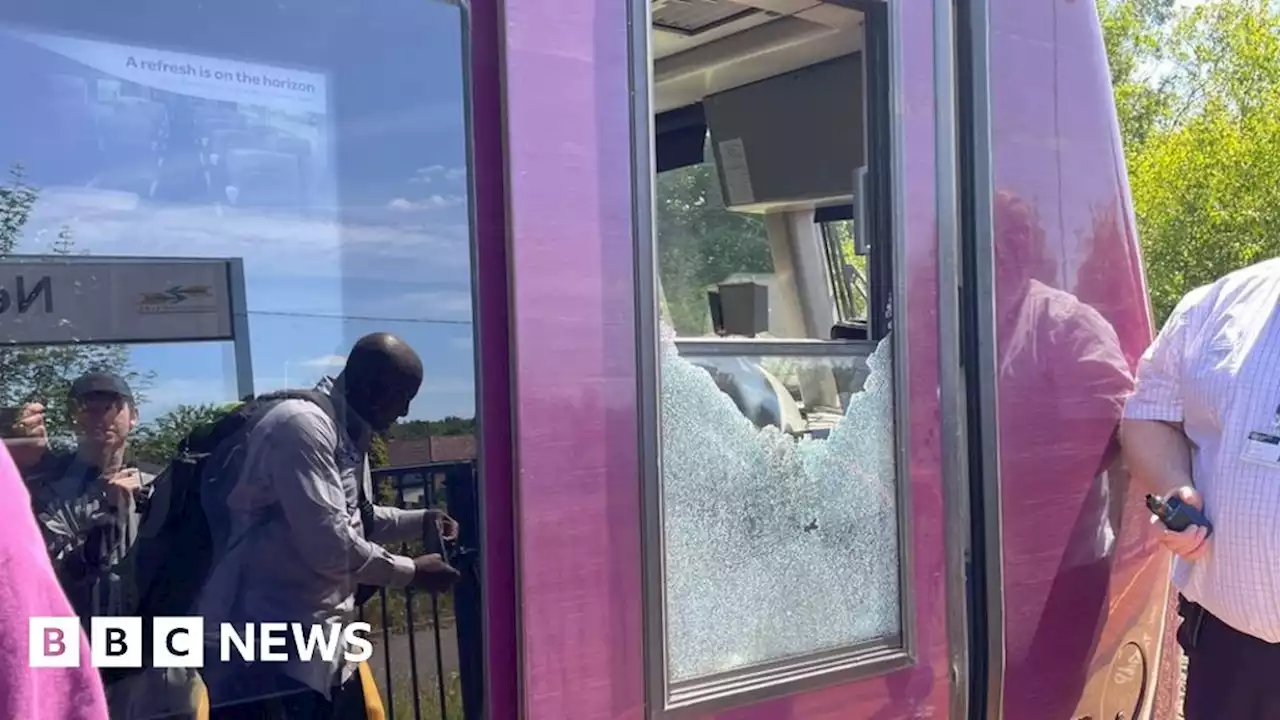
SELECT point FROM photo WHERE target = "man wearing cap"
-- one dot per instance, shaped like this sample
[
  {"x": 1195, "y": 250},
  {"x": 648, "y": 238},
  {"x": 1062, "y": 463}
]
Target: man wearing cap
[
  {"x": 89, "y": 505},
  {"x": 87, "y": 501}
]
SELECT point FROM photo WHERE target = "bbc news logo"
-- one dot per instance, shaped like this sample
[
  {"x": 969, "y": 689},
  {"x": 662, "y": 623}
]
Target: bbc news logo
[{"x": 179, "y": 642}]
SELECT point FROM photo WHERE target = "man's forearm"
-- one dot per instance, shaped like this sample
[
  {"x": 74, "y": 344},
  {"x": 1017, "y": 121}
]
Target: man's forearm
[
  {"x": 373, "y": 565},
  {"x": 1157, "y": 453},
  {"x": 391, "y": 525}
]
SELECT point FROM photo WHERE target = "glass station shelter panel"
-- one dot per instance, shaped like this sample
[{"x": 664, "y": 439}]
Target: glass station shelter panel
[{"x": 215, "y": 199}]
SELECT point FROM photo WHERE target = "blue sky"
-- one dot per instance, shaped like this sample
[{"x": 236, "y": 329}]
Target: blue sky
[{"x": 388, "y": 250}]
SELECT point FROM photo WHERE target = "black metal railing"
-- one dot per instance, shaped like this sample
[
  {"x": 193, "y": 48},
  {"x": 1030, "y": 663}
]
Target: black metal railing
[{"x": 414, "y": 629}]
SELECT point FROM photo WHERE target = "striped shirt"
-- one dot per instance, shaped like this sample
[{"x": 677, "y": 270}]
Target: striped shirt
[
  {"x": 1215, "y": 368},
  {"x": 86, "y": 537},
  {"x": 89, "y": 542}
]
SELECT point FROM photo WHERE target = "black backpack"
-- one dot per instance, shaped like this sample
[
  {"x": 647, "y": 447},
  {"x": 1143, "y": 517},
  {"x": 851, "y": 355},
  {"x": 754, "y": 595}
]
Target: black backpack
[{"x": 174, "y": 551}]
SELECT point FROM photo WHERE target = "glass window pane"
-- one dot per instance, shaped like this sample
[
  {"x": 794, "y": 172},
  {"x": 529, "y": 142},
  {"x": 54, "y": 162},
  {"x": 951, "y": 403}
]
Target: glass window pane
[
  {"x": 321, "y": 145},
  {"x": 702, "y": 245},
  {"x": 777, "y": 385},
  {"x": 847, "y": 271},
  {"x": 780, "y": 506},
  {"x": 216, "y": 199}
]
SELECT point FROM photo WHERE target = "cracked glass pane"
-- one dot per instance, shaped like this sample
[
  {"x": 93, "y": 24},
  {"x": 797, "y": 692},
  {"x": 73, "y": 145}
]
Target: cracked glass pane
[{"x": 779, "y": 503}]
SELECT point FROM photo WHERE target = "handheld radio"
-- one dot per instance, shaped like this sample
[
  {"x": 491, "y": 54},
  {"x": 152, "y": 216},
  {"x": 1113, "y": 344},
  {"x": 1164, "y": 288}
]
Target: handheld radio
[{"x": 1178, "y": 515}]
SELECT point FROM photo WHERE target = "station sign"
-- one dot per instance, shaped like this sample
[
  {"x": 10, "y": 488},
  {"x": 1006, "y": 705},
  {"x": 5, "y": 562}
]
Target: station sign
[{"x": 56, "y": 300}]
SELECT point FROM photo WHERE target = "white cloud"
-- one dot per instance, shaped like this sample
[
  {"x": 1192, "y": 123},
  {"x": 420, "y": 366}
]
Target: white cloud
[
  {"x": 381, "y": 245},
  {"x": 433, "y": 202},
  {"x": 438, "y": 396},
  {"x": 325, "y": 361},
  {"x": 437, "y": 173}
]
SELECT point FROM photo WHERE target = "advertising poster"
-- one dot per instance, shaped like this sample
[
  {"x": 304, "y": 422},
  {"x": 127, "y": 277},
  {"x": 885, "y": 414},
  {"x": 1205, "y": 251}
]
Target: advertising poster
[{"x": 169, "y": 126}]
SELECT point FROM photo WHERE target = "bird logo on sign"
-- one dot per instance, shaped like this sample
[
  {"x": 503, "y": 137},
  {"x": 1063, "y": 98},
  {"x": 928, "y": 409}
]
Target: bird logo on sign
[
  {"x": 172, "y": 298},
  {"x": 175, "y": 295}
]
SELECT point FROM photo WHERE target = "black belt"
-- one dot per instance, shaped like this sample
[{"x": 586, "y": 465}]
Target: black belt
[{"x": 1193, "y": 618}]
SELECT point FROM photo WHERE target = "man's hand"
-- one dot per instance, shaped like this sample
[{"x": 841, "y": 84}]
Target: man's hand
[
  {"x": 31, "y": 439},
  {"x": 1192, "y": 543},
  {"x": 123, "y": 487},
  {"x": 433, "y": 574},
  {"x": 447, "y": 526}
]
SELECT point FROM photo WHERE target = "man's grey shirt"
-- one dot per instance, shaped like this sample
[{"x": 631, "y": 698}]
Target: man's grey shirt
[
  {"x": 86, "y": 537},
  {"x": 296, "y": 546}
]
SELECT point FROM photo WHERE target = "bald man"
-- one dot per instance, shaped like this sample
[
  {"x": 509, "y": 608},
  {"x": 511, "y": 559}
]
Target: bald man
[{"x": 297, "y": 545}]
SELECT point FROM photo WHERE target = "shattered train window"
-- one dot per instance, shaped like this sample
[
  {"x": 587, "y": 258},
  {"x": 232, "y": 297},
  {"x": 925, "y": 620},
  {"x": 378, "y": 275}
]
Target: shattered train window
[{"x": 780, "y": 506}]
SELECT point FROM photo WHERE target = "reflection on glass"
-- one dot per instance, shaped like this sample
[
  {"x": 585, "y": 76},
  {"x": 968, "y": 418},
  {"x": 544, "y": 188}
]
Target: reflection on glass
[
  {"x": 702, "y": 245},
  {"x": 315, "y": 150},
  {"x": 780, "y": 506},
  {"x": 777, "y": 275},
  {"x": 224, "y": 197},
  {"x": 186, "y": 128}
]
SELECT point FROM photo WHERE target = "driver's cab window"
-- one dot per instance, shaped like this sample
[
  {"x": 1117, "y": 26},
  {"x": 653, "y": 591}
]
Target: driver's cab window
[
  {"x": 778, "y": 479},
  {"x": 846, "y": 262},
  {"x": 712, "y": 255}
]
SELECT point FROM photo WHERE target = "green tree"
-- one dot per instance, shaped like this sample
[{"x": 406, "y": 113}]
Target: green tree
[
  {"x": 419, "y": 429},
  {"x": 45, "y": 373},
  {"x": 700, "y": 243},
  {"x": 157, "y": 441},
  {"x": 843, "y": 232},
  {"x": 378, "y": 456},
  {"x": 1134, "y": 34},
  {"x": 1205, "y": 178}
]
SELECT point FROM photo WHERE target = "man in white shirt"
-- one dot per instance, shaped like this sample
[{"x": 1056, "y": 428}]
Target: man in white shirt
[
  {"x": 298, "y": 541},
  {"x": 1204, "y": 424}
]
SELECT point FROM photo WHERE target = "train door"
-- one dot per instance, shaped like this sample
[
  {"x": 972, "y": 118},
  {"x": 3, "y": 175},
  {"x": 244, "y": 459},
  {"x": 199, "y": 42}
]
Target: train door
[
  {"x": 861, "y": 278},
  {"x": 786, "y": 331},
  {"x": 730, "y": 397},
  {"x": 1070, "y": 595}
]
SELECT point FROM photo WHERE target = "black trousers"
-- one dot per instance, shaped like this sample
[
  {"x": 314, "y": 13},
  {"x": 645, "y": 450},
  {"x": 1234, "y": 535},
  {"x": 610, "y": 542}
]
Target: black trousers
[{"x": 1230, "y": 675}]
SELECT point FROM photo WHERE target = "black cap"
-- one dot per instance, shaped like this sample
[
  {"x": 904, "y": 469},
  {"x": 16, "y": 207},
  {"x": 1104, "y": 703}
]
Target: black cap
[{"x": 98, "y": 383}]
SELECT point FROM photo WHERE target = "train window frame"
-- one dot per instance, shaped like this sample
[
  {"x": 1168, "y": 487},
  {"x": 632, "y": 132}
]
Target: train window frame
[
  {"x": 860, "y": 661},
  {"x": 847, "y": 292}
]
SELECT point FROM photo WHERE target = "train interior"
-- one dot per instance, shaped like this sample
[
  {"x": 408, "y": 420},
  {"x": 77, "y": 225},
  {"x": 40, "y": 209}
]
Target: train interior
[
  {"x": 773, "y": 222},
  {"x": 774, "y": 274}
]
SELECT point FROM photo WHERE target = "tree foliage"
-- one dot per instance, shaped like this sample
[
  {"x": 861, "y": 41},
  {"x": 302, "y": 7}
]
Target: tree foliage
[
  {"x": 420, "y": 429},
  {"x": 700, "y": 243},
  {"x": 378, "y": 452},
  {"x": 1133, "y": 32},
  {"x": 1198, "y": 94},
  {"x": 157, "y": 441},
  {"x": 45, "y": 373}
]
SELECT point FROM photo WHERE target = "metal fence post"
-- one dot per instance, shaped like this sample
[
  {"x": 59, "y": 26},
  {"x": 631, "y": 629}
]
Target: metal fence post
[{"x": 461, "y": 493}]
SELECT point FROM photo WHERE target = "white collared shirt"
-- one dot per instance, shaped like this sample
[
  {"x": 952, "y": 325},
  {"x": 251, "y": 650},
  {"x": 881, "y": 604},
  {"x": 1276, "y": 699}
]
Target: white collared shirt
[
  {"x": 1215, "y": 368},
  {"x": 303, "y": 550}
]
